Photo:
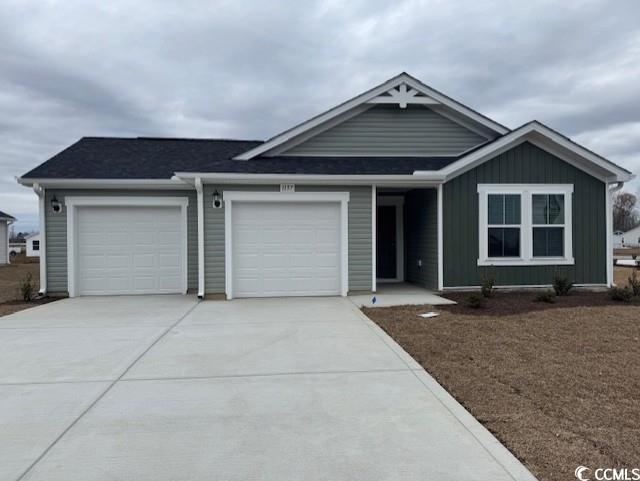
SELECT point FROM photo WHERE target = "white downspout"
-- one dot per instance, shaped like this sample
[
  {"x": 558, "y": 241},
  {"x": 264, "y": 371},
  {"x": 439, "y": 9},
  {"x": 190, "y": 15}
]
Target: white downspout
[
  {"x": 609, "y": 221},
  {"x": 40, "y": 192},
  {"x": 198, "y": 185}
]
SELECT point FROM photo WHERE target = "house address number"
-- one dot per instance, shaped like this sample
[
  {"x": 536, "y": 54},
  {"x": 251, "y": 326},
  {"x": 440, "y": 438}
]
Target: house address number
[{"x": 287, "y": 187}]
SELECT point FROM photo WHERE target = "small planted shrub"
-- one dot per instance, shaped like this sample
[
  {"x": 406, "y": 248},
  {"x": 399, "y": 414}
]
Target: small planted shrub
[
  {"x": 27, "y": 288},
  {"x": 486, "y": 286},
  {"x": 546, "y": 296},
  {"x": 634, "y": 283},
  {"x": 475, "y": 301},
  {"x": 622, "y": 294},
  {"x": 562, "y": 285}
]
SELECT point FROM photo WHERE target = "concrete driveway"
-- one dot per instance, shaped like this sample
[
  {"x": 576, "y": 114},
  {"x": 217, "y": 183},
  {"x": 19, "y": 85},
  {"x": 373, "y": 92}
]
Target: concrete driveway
[{"x": 166, "y": 388}]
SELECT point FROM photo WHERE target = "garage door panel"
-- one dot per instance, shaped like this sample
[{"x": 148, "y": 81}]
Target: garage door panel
[
  {"x": 129, "y": 250},
  {"x": 286, "y": 249}
]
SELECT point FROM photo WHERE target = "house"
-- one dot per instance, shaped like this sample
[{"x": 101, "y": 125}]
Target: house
[
  {"x": 5, "y": 221},
  {"x": 618, "y": 239},
  {"x": 33, "y": 244},
  {"x": 401, "y": 183},
  {"x": 631, "y": 238}
]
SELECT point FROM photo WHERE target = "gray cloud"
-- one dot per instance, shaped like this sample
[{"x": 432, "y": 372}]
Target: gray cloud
[{"x": 250, "y": 69}]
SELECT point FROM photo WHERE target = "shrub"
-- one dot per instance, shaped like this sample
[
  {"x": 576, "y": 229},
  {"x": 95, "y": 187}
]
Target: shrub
[
  {"x": 486, "y": 288},
  {"x": 634, "y": 283},
  {"x": 623, "y": 294},
  {"x": 562, "y": 285},
  {"x": 27, "y": 287},
  {"x": 546, "y": 296},
  {"x": 475, "y": 301}
]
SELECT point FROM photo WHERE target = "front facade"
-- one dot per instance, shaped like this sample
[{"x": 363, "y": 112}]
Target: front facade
[
  {"x": 5, "y": 221},
  {"x": 399, "y": 184}
]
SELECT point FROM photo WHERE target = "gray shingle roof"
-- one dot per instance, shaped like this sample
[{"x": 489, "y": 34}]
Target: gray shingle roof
[
  {"x": 4, "y": 215},
  {"x": 156, "y": 158}
]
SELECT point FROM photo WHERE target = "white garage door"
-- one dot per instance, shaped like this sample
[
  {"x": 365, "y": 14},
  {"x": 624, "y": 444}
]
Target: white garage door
[
  {"x": 286, "y": 249},
  {"x": 129, "y": 250}
]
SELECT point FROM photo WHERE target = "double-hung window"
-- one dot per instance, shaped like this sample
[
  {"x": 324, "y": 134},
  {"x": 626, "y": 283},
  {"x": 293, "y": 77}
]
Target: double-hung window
[{"x": 525, "y": 224}]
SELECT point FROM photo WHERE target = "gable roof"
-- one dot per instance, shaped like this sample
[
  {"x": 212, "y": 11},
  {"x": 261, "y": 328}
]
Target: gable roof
[
  {"x": 5, "y": 216},
  {"x": 546, "y": 138},
  {"x": 398, "y": 87}
]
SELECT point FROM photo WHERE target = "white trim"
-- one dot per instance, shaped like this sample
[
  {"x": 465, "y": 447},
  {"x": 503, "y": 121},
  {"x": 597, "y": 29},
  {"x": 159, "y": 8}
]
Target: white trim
[
  {"x": 609, "y": 226},
  {"x": 374, "y": 240},
  {"x": 546, "y": 139},
  {"x": 381, "y": 180},
  {"x": 401, "y": 79},
  {"x": 398, "y": 202},
  {"x": 526, "y": 191},
  {"x": 73, "y": 202},
  {"x": 42, "y": 212},
  {"x": 173, "y": 183},
  {"x": 229, "y": 197},
  {"x": 440, "y": 239},
  {"x": 200, "y": 201}
]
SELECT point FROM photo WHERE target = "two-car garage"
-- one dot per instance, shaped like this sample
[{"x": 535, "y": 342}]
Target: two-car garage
[{"x": 275, "y": 244}]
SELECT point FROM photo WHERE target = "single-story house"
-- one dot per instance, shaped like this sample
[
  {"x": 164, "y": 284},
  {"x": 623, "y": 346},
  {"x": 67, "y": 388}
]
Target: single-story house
[
  {"x": 630, "y": 238},
  {"x": 33, "y": 244},
  {"x": 401, "y": 183},
  {"x": 5, "y": 221}
]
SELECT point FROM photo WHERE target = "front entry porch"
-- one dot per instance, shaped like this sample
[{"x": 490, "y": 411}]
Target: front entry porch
[{"x": 406, "y": 247}]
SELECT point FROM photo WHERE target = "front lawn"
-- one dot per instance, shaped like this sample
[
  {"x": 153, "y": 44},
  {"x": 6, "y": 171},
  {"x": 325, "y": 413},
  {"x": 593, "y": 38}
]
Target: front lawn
[{"x": 558, "y": 384}]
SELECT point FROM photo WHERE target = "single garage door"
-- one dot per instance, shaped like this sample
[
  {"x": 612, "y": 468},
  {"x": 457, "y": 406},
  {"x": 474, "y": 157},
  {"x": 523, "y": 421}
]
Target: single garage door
[
  {"x": 286, "y": 249},
  {"x": 130, "y": 250}
]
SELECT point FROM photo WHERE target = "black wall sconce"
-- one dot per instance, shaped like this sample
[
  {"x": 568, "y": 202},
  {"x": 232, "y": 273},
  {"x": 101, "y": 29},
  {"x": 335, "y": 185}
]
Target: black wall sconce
[
  {"x": 217, "y": 201},
  {"x": 56, "y": 205}
]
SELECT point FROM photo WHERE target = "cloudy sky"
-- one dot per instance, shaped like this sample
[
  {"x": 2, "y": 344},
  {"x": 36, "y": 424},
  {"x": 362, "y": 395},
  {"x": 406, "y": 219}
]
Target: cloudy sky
[{"x": 250, "y": 69}]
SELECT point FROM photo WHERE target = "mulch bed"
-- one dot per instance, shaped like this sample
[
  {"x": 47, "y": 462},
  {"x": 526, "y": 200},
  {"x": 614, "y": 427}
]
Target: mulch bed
[{"x": 557, "y": 384}]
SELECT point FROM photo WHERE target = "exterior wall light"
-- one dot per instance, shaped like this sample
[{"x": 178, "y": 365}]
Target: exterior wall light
[
  {"x": 217, "y": 202},
  {"x": 56, "y": 205}
]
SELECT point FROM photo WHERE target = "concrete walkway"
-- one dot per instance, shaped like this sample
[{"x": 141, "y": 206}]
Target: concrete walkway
[
  {"x": 399, "y": 294},
  {"x": 166, "y": 388}
]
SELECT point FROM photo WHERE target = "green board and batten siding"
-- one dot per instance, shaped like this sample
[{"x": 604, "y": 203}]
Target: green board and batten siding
[
  {"x": 359, "y": 233},
  {"x": 524, "y": 164},
  {"x": 421, "y": 237}
]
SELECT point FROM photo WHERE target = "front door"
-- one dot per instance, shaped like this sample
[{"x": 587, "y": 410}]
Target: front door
[{"x": 386, "y": 267}]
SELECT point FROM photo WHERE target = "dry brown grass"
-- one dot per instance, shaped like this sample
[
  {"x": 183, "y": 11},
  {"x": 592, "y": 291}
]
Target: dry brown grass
[
  {"x": 10, "y": 276},
  {"x": 621, "y": 274},
  {"x": 560, "y": 387}
]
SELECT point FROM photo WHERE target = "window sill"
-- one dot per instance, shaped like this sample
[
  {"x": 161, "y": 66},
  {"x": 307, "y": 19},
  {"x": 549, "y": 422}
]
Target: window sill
[{"x": 547, "y": 261}]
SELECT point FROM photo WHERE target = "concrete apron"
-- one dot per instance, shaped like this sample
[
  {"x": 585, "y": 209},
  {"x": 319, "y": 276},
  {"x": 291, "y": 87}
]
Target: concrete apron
[{"x": 272, "y": 389}]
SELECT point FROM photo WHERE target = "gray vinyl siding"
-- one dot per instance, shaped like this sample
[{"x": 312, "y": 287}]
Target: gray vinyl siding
[
  {"x": 390, "y": 130},
  {"x": 4, "y": 247},
  {"x": 421, "y": 237},
  {"x": 56, "y": 232},
  {"x": 524, "y": 164},
  {"x": 359, "y": 233}
]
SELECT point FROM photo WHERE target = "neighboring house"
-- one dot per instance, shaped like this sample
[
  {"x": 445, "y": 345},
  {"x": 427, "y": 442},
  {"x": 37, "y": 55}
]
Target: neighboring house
[
  {"x": 5, "y": 221},
  {"x": 33, "y": 244},
  {"x": 400, "y": 183},
  {"x": 618, "y": 239},
  {"x": 631, "y": 238}
]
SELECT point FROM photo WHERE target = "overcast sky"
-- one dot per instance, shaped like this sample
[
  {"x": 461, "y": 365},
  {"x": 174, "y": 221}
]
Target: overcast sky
[{"x": 251, "y": 69}]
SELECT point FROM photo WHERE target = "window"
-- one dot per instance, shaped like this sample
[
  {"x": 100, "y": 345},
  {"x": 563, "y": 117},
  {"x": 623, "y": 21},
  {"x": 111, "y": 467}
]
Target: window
[
  {"x": 525, "y": 224},
  {"x": 36, "y": 245},
  {"x": 548, "y": 225},
  {"x": 504, "y": 225}
]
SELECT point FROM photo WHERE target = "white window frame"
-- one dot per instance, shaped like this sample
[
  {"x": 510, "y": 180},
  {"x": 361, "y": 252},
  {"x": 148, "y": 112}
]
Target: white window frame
[
  {"x": 526, "y": 192},
  {"x": 74, "y": 202},
  {"x": 231, "y": 197}
]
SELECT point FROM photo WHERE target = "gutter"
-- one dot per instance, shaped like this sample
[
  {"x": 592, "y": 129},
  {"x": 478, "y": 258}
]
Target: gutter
[
  {"x": 201, "y": 280},
  {"x": 40, "y": 192}
]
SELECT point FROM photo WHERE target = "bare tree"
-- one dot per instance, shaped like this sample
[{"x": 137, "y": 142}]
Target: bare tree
[{"x": 625, "y": 211}]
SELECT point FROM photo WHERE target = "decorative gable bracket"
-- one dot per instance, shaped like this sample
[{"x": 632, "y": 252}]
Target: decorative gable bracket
[{"x": 402, "y": 95}]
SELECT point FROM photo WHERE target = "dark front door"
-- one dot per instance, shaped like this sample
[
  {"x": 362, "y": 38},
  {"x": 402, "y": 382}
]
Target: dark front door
[{"x": 386, "y": 242}]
